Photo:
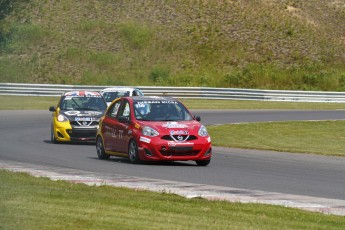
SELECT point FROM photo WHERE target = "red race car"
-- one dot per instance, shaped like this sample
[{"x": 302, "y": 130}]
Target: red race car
[{"x": 152, "y": 129}]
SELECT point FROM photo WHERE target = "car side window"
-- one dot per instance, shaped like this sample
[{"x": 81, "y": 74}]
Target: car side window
[
  {"x": 66, "y": 104},
  {"x": 136, "y": 93},
  {"x": 184, "y": 113},
  {"x": 113, "y": 109},
  {"x": 124, "y": 110}
]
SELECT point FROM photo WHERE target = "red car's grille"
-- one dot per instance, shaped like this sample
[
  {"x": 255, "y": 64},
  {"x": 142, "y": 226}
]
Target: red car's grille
[{"x": 189, "y": 138}]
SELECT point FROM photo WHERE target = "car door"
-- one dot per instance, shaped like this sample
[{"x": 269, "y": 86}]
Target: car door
[
  {"x": 122, "y": 128},
  {"x": 109, "y": 126}
]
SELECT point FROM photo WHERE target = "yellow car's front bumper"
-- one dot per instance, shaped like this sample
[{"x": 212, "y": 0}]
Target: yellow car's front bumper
[{"x": 64, "y": 132}]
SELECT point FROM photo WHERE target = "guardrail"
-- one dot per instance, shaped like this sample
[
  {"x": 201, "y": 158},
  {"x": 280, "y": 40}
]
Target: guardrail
[{"x": 19, "y": 89}]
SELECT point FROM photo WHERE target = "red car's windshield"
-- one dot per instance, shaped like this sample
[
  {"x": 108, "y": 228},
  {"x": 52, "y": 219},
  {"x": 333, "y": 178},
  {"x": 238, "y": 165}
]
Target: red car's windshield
[{"x": 160, "y": 110}]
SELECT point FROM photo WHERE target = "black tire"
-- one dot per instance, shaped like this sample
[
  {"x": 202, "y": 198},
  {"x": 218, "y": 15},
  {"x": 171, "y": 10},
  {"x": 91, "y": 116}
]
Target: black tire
[
  {"x": 203, "y": 163},
  {"x": 100, "y": 149},
  {"x": 52, "y": 136},
  {"x": 133, "y": 152}
]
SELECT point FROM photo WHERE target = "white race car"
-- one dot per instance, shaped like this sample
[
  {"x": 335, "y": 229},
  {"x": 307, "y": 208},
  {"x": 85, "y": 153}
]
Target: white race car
[{"x": 112, "y": 93}]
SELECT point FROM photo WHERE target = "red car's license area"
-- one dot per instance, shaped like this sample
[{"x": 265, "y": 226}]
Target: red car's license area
[{"x": 179, "y": 151}]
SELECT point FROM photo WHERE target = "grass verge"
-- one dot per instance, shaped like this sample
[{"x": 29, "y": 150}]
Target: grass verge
[
  {"x": 321, "y": 137},
  {"x": 39, "y": 203},
  {"x": 238, "y": 104},
  {"x": 26, "y": 102}
]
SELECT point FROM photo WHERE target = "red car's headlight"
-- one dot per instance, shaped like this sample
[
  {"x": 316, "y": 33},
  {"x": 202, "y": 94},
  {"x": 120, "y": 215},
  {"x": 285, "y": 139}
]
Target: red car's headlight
[
  {"x": 62, "y": 118},
  {"x": 203, "y": 131},
  {"x": 148, "y": 131}
]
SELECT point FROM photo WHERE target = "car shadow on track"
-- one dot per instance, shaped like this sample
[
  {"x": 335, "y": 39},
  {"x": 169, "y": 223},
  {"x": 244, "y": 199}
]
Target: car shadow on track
[
  {"x": 70, "y": 143},
  {"x": 148, "y": 163},
  {"x": 125, "y": 160}
]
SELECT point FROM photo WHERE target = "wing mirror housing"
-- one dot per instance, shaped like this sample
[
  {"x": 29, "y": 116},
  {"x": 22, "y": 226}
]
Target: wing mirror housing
[
  {"x": 198, "y": 118},
  {"x": 52, "y": 109}
]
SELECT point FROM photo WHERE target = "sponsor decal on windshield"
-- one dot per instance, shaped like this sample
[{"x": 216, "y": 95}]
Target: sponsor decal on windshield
[{"x": 156, "y": 102}]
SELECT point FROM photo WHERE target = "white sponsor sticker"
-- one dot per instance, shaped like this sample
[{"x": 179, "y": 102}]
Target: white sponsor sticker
[
  {"x": 92, "y": 113},
  {"x": 83, "y": 119},
  {"x": 145, "y": 139},
  {"x": 209, "y": 139},
  {"x": 173, "y": 144},
  {"x": 72, "y": 113},
  {"x": 178, "y": 132},
  {"x": 172, "y": 125}
]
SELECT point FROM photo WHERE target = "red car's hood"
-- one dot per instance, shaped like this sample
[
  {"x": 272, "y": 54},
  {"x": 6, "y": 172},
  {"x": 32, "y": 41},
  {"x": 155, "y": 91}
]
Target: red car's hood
[{"x": 166, "y": 126}]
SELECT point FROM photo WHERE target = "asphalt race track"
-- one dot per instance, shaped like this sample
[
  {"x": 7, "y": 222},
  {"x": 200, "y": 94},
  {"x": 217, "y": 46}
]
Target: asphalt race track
[{"x": 25, "y": 138}]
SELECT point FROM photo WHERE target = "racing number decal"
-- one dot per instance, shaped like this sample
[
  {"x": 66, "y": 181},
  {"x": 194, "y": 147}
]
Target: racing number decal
[
  {"x": 120, "y": 134},
  {"x": 114, "y": 132}
]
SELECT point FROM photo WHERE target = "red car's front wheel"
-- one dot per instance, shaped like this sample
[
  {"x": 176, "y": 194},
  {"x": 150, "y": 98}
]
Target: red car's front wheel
[
  {"x": 202, "y": 162},
  {"x": 133, "y": 152}
]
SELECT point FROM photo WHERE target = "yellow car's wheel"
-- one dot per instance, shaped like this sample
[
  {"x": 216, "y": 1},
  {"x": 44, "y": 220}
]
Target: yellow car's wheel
[{"x": 52, "y": 135}]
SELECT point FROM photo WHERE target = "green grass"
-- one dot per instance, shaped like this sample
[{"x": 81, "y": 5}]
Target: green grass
[
  {"x": 27, "y": 102},
  {"x": 239, "y": 105},
  {"x": 39, "y": 203},
  {"x": 253, "y": 44},
  {"x": 321, "y": 137}
]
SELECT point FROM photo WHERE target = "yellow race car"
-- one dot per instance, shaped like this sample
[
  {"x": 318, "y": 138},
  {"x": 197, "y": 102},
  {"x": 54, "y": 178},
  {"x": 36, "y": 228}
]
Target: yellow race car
[{"x": 76, "y": 117}]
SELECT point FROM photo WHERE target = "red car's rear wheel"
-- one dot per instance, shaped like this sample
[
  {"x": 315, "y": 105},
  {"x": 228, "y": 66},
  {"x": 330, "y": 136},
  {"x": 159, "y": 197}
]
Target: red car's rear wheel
[{"x": 100, "y": 149}]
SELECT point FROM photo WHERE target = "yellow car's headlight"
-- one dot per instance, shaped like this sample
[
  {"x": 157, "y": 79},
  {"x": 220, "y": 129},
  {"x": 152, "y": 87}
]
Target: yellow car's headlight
[{"x": 62, "y": 118}]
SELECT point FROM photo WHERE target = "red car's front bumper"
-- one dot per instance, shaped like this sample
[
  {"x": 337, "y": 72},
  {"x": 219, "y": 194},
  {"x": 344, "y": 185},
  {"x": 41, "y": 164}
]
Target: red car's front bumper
[{"x": 162, "y": 150}]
